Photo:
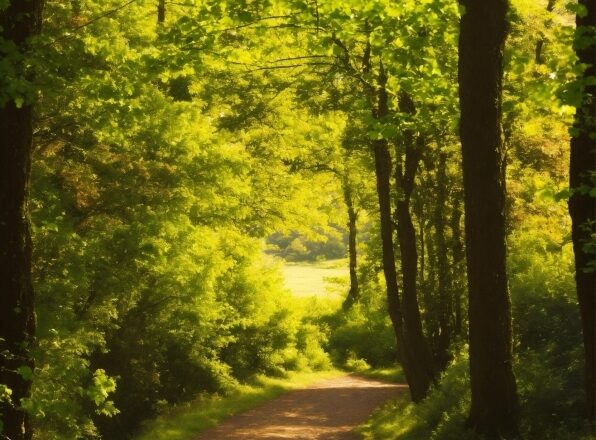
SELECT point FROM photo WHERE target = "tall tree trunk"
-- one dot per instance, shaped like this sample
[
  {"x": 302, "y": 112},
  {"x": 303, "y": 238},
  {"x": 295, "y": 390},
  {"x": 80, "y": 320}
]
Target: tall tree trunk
[
  {"x": 445, "y": 304},
  {"x": 457, "y": 252},
  {"x": 418, "y": 211},
  {"x": 354, "y": 293},
  {"x": 495, "y": 407},
  {"x": 431, "y": 303},
  {"x": 383, "y": 175},
  {"x": 415, "y": 340},
  {"x": 414, "y": 367},
  {"x": 421, "y": 247},
  {"x": 582, "y": 206},
  {"x": 18, "y": 22}
]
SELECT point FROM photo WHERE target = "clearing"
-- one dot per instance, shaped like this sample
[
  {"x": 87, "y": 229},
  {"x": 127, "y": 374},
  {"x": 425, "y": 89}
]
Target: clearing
[{"x": 316, "y": 278}]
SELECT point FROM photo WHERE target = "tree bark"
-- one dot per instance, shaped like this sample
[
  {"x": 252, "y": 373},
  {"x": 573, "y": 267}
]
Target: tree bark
[
  {"x": 414, "y": 368},
  {"x": 582, "y": 206},
  {"x": 416, "y": 342},
  {"x": 458, "y": 255},
  {"x": 354, "y": 293},
  {"x": 383, "y": 175},
  {"x": 495, "y": 409},
  {"x": 442, "y": 357},
  {"x": 431, "y": 286},
  {"x": 161, "y": 11},
  {"x": 18, "y": 22}
]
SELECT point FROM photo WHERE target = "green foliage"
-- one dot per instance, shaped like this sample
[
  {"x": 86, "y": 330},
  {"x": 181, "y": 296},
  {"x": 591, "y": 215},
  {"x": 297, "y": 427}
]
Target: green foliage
[
  {"x": 5, "y": 394},
  {"x": 350, "y": 340},
  {"x": 440, "y": 416},
  {"x": 548, "y": 363},
  {"x": 351, "y": 331},
  {"x": 148, "y": 218},
  {"x": 294, "y": 247},
  {"x": 169, "y": 158},
  {"x": 548, "y": 336}
]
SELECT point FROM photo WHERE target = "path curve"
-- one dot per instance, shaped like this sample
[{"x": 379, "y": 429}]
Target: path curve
[{"x": 327, "y": 410}]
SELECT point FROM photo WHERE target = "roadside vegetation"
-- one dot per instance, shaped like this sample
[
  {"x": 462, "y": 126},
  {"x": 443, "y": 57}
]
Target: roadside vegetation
[{"x": 184, "y": 422}]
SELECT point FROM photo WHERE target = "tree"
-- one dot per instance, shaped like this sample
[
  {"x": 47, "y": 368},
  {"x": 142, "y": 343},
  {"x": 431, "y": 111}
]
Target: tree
[
  {"x": 494, "y": 410},
  {"x": 18, "y": 22},
  {"x": 383, "y": 175},
  {"x": 354, "y": 292},
  {"x": 445, "y": 302},
  {"x": 161, "y": 11},
  {"x": 582, "y": 204},
  {"x": 405, "y": 174},
  {"x": 408, "y": 329}
]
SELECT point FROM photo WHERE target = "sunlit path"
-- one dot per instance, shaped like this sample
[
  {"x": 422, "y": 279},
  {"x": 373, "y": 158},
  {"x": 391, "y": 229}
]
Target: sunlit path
[{"x": 328, "y": 410}]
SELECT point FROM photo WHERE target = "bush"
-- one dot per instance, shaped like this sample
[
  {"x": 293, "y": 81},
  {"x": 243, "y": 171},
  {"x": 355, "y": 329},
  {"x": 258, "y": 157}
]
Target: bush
[{"x": 362, "y": 333}]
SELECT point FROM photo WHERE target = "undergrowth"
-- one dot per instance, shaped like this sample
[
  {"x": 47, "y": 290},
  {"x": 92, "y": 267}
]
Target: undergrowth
[{"x": 546, "y": 399}]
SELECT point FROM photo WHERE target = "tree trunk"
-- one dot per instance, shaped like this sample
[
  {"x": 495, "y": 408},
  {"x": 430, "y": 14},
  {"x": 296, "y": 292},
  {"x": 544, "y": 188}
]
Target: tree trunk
[
  {"x": 414, "y": 368},
  {"x": 495, "y": 407},
  {"x": 383, "y": 175},
  {"x": 445, "y": 304},
  {"x": 416, "y": 342},
  {"x": 582, "y": 206},
  {"x": 457, "y": 252},
  {"x": 161, "y": 11},
  {"x": 421, "y": 246},
  {"x": 18, "y": 22},
  {"x": 354, "y": 293},
  {"x": 431, "y": 303}
]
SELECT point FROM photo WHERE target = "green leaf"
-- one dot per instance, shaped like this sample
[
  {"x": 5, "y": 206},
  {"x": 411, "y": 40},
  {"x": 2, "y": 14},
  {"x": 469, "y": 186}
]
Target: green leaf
[
  {"x": 25, "y": 372},
  {"x": 562, "y": 195}
]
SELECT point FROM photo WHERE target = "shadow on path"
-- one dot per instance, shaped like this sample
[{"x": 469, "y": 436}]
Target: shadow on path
[{"x": 329, "y": 410}]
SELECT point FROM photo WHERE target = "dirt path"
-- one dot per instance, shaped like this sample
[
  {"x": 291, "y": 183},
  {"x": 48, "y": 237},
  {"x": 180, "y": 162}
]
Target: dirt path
[{"x": 328, "y": 410}]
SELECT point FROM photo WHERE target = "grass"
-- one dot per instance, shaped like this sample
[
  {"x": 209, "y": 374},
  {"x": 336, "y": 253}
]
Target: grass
[
  {"x": 440, "y": 416},
  {"x": 316, "y": 278},
  {"x": 394, "y": 374},
  {"x": 186, "y": 421},
  {"x": 390, "y": 374}
]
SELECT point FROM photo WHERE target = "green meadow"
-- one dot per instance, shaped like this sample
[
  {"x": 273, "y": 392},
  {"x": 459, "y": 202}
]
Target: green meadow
[{"x": 321, "y": 278}]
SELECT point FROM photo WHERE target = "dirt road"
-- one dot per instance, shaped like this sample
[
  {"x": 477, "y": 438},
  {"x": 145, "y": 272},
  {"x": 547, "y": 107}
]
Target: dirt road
[{"x": 328, "y": 410}]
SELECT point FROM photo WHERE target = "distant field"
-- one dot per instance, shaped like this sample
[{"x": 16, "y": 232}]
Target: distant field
[{"x": 315, "y": 279}]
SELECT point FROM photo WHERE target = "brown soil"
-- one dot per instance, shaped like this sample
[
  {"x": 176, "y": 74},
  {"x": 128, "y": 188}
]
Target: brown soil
[{"x": 328, "y": 410}]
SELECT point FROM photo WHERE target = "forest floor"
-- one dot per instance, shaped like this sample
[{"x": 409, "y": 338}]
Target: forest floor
[{"x": 327, "y": 410}]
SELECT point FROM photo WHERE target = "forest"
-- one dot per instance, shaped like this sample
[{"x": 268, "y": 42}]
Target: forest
[{"x": 164, "y": 162}]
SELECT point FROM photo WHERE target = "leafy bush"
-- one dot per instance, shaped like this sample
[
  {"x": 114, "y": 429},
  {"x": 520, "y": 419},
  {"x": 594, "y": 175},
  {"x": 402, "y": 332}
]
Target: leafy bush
[
  {"x": 365, "y": 333},
  {"x": 547, "y": 335}
]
